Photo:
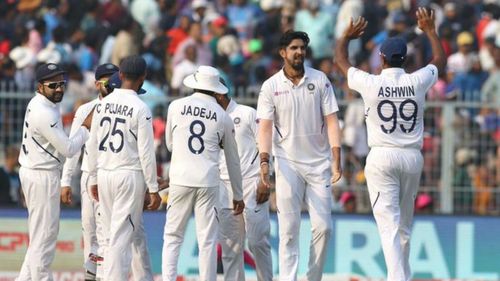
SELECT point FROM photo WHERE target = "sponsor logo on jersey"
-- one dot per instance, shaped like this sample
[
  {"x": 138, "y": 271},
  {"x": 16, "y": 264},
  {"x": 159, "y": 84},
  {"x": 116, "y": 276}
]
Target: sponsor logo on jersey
[{"x": 279, "y": 93}]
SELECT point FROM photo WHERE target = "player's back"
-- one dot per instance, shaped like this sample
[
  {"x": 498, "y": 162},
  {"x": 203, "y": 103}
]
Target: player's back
[
  {"x": 394, "y": 104},
  {"x": 194, "y": 133},
  {"x": 245, "y": 127},
  {"x": 119, "y": 130}
]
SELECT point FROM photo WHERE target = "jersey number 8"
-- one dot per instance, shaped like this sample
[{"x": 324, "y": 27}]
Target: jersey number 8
[
  {"x": 393, "y": 111},
  {"x": 196, "y": 136}
]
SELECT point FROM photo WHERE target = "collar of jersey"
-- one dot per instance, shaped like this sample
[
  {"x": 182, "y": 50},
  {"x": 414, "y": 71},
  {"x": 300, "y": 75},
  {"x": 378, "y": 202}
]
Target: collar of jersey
[
  {"x": 231, "y": 106},
  {"x": 285, "y": 79},
  {"x": 204, "y": 96},
  {"x": 124, "y": 91},
  {"x": 45, "y": 100},
  {"x": 392, "y": 70}
]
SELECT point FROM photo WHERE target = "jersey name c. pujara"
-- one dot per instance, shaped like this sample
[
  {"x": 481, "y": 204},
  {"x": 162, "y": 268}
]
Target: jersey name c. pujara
[
  {"x": 396, "y": 92},
  {"x": 201, "y": 112},
  {"x": 119, "y": 109}
]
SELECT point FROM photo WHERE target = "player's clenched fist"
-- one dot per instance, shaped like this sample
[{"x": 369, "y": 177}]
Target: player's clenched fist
[
  {"x": 66, "y": 195},
  {"x": 263, "y": 193},
  {"x": 94, "y": 193},
  {"x": 238, "y": 207},
  {"x": 336, "y": 166},
  {"x": 264, "y": 169},
  {"x": 154, "y": 201}
]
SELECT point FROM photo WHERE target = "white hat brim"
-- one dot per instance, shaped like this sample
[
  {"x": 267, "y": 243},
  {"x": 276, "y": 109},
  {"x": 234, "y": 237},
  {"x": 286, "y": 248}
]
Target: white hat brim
[{"x": 191, "y": 82}]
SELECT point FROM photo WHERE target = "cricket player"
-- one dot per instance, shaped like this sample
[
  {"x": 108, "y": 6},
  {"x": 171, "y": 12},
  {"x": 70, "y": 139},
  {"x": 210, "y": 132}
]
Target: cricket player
[
  {"x": 394, "y": 109},
  {"x": 91, "y": 227},
  {"x": 44, "y": 148},
  {"x": 197, "y": 129},
  {"x": 124, "y": 167},
  {"x": 297, "y": 113},
  {"x": 255, "y": 219}
]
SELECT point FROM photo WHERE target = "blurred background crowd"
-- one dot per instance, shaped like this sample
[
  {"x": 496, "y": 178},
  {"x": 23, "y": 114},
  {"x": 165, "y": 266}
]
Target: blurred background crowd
[{"x": 240, "y": 38}]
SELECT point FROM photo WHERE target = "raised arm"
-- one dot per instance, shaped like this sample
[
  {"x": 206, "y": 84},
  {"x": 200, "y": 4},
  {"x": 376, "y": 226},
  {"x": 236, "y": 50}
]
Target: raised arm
[
  {"x": 426, "y": 22},
  {"x": 353, "y": 31}
]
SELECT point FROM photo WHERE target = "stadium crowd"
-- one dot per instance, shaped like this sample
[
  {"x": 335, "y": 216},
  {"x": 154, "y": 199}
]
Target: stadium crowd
[{"x": 240, "y": 38}]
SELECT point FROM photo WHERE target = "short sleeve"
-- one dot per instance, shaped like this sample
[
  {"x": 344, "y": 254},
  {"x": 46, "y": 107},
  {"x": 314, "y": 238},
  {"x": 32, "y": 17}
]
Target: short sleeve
[
  {"x": 265, "y": 104},
  {"x": 426, "y": 76},
  {"x": 328, "y": 101},
  {"x": 357, "y": 80}
]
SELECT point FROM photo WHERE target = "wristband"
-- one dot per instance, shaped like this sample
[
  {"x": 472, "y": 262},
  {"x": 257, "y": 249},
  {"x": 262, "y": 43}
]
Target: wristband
[{"x": 264, "y": 157}]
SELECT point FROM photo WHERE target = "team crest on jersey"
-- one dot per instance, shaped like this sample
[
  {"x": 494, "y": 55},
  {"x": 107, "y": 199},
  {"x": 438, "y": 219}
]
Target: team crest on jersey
[
  {"x": 310, "y": 87},
  {"x": 237, "y": 120}
]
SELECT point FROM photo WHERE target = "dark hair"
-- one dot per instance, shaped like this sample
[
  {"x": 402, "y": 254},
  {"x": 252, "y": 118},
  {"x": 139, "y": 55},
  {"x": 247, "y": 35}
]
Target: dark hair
[
  {"x": 206, "y": 92},
  {"x": 395, "y": 62},
  {"x": 132, "y": 76},
  {"x": 291, "y": 35}
]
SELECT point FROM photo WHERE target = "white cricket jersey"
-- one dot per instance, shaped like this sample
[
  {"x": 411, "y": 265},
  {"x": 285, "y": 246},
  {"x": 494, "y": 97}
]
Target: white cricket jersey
[
  {"x": 122, "y": 135},
  {"x": 298, "y": 113},
  {"x": 70, "y": 165},
  {"x": 245, "y": 134},
  {"x": 245, "y": 128},
  {"x": 45, "y": 144},
  {"x": 394, "y": 104},
  {"x": 197, "y": 128}
]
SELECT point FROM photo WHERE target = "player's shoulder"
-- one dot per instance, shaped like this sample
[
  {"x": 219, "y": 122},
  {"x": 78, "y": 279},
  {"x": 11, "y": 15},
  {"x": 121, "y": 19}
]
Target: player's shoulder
[
  {"x": 314, "y": 73},
  {"x": 86, "y": 107},
  {"x": 245, "y": 109},
  {"x": 272, "y": 81}
]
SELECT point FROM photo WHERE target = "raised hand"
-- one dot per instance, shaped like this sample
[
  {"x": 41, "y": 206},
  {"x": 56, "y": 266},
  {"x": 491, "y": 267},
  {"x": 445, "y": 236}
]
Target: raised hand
[
  {"x": 355, "y": 29},
  {"x": 425, "y": 20}
]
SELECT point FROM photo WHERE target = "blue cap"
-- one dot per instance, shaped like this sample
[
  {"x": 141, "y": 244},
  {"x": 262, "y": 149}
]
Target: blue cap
[
  {"x": 115, "y": 82},
  {"x": 394, "y": 48},
  {"x": 105, "y": 69},
  {"x": 48, "y": 70}
]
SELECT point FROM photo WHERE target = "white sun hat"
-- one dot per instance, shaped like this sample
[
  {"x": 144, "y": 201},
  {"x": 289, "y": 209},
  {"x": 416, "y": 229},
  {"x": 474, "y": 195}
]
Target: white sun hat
[{"x": 206, "y": 78}]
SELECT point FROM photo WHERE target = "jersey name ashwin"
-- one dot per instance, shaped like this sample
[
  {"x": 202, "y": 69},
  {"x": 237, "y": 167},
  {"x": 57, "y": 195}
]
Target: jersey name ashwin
[
  {"x": 396, "y": 92},
  {"x": 201, "y": 112}
]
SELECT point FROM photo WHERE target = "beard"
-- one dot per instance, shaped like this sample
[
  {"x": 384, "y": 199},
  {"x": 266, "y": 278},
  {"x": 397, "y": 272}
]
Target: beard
[
  {"x": 297, "y": 63},
  {"x": 57, "y": 97}
]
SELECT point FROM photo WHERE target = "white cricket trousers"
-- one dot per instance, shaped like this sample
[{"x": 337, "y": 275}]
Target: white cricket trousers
[
  {"x": 182, "y": 201},
  {"x": 42, "y": 191},
  {"x": 90, "y": 224},
  {"x": 121, "y": 197},
  {"x": 297, "y": 183},
  {"x": 393, "y": 176},
  {"x": 255, "y": 222}
]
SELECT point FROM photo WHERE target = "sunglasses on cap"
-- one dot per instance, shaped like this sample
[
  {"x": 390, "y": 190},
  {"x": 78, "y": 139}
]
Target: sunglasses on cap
[{"x": 55, "y": 85}]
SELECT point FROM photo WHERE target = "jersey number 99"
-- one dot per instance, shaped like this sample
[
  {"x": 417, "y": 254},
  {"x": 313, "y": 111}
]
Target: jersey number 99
[{"x": 391, "y": 115}]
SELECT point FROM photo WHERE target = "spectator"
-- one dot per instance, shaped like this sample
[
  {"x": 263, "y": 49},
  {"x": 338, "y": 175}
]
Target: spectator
[
  {"x": 178, "y": 34},
  {"x": 10, "y": 184},
  {"x": 348, "y": 200},
  {"x": 491, "y": 86},
  {"x": 186, "y": 67},
  {"x": 125, "y": 44},
  {"x": 461, "y": 61},
  {"x": 204, "y": 56},
  {"x": 424, "y": 204},
  {"x": 243, "y": 17},
  {"x": 319, "y": 25}
]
